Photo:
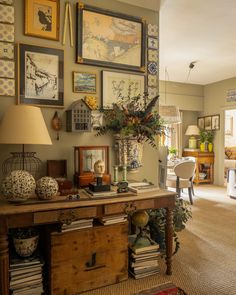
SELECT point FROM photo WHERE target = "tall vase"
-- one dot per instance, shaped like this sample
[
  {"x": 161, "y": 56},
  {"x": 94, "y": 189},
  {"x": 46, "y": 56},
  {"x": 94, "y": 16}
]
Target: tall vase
[
  {"x": 202, "y": 146},
  {"x": 210, "y": 146},
  {"x": 129, "y": 152}
]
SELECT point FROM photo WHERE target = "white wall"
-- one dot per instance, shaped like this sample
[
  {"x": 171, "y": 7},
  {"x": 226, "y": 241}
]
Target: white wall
[{"x": 230, "y": 125}]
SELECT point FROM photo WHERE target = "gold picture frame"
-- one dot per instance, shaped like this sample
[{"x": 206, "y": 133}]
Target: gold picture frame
[{"x": 42, "y": 18}]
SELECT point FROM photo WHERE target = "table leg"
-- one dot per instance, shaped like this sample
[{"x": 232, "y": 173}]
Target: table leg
[
  {"x": 169, "y": 240},
  {"x": 4, "y": 259}
]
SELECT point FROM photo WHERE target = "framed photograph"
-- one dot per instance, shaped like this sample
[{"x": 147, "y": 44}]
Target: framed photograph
[
  {"x": 229, "y": 125},
  {"x": 118, "y": 86},
  {"x": 41, "y": 75},
  {"x": 200, "y": 122},
  {"x": 207, "y": 123},
  {"x": 42, "y": 18},
  {"x": 84, "y": 82},
  {"x": 110, "y": 39},
  {"x": 88, "y": 155},
  {"x": 215, "y": 122}
]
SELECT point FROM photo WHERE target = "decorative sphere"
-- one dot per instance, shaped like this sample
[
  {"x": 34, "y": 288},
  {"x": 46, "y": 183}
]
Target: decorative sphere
[
  {"x": 46, "y": 188},
  {"x": 18, "y": 186},
  {"x": 140, "y": 218}
]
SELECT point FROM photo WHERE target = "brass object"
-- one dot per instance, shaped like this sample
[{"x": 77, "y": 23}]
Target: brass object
[{"x": 68, "y": 216}]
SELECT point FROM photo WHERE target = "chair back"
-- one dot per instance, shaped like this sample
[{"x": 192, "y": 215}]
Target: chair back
[
  {"x": 163, "y": 152},
  {"x": 185, "y": 169}
]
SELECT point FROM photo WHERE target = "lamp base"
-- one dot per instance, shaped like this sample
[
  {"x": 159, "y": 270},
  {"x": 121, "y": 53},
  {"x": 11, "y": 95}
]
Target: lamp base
[{"x": 192, "y": 143}]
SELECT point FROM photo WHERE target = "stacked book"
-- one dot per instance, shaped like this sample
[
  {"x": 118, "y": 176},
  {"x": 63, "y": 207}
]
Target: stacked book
[
  {"x": 26, "y": 276},
  {"x": 77, "y": 224},
  {"x": 142, "y": 187},
  {"x": 92, "y": 194},
  {"x": 111, "y": 219},
  {"x": 143, "y": 257}
]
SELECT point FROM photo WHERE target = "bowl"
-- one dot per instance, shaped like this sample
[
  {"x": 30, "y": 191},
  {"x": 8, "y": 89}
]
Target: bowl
[{"x": 25, "y": 247}]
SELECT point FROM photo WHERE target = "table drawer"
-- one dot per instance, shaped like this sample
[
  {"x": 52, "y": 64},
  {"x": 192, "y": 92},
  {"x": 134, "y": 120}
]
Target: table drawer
[
  {"x": 126, "y": 207},
  {"x": 64, "y": 215}
]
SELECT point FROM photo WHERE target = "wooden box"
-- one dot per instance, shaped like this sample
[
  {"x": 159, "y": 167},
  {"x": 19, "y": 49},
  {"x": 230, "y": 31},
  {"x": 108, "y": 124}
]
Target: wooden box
[
  {"x": 86, "y": 259},
  {"x": 58, "y": 170}
]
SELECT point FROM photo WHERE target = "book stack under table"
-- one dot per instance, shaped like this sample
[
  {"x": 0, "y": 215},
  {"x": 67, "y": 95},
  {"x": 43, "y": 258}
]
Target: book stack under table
[
  {"x": 77, "y": 224},
  {"x": 143, "y": 257},
  {"x": 26, "y": 276},
  {"x": 111, "y": 219}
]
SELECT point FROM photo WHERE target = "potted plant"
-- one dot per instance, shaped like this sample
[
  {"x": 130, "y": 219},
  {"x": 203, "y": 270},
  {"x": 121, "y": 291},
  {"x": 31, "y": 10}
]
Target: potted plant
[
  {"x": 173, "y": 152},
  {"x": 202, "y": 139},
  {"x": 25, "y": 241},
  {"x": 209, "y": 138},
  {"x": 132, "y": 122},
  {"x": 157, "y": 222}
]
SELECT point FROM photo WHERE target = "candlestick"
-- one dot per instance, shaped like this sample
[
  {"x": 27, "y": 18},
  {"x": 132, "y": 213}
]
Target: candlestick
[
  {"x": 124, "y": 173},
  {"x": 115, "y": 180}
]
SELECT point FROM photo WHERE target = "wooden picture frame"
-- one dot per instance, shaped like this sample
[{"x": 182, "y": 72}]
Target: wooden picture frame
[
  {"x": 84, "y": 82},
  {"x": 201, "y": 122},
  {"x": 117, "y": 86},
  {"x": 207, "y": 123},
  {"x": 215, "y": 122},
  {"x": 41, "y": 72},
  {"x": 86, "y": 156},
  {"x": 42, "y": 18},
  {"x": 110, "y": 39}
]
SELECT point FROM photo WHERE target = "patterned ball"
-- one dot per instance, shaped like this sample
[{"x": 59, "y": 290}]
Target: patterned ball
[
  {"x": 18, "y": 186},
  {"x": 46, "y": 188}
]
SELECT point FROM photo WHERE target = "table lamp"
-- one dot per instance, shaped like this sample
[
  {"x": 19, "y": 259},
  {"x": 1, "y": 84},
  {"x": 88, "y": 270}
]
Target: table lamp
[
  {"x": 192, "y": 130},
  {"x": 23, "y": 124}
]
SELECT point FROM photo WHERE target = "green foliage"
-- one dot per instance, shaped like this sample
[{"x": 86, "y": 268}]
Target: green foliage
[
  {"x": 210, "y": 136},
  {"x": 203, "y": 135},
  {"x": 133, "y": 118},
  {"x": 173, "y": 150},
  {"x": 157, "y": 220}
]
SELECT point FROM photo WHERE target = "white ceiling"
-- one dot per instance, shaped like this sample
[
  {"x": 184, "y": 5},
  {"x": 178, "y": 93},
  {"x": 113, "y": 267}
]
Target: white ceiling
[{"x": 196, "y": 30}]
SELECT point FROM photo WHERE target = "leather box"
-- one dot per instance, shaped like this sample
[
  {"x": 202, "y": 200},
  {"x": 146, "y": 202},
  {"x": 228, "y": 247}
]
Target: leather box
[{"x": 58, "y": 170}]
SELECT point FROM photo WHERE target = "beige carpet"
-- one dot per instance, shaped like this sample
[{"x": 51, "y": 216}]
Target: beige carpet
[{"x": 206, "y": 261}]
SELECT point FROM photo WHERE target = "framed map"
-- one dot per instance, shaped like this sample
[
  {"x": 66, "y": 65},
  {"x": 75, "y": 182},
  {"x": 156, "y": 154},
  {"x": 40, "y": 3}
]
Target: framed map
[{"x": 106, "y": 38}]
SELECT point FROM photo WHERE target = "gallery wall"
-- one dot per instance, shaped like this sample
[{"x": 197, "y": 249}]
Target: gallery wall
[{"x": 63, "y": 148}]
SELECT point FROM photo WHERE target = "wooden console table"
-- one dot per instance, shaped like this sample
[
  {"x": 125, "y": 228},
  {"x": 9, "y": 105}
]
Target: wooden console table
[{"x": 39, "y": 213}]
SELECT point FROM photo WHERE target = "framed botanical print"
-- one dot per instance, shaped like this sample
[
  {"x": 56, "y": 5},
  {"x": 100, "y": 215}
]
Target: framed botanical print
[
  {"x": 215, "y": 122},
  {"x": 42, "y": 18},
  {"x": 41, "y": 75},
  {"x": 207, "y": 123},
  {"x": 200, "y": 122},
  {"x": 110, "y": 39},
  {"x": 84, "y": 82},
  {"x": 118, "y": 86}
]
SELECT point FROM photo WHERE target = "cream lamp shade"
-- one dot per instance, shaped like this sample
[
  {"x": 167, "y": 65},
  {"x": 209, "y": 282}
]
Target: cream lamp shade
[
  {"x": 170, "y": 114},
  {"x": 192, "y": 131},
  {"x": 23, "y": 124}
]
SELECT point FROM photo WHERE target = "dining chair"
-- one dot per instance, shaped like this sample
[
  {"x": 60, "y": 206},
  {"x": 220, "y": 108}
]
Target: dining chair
[
  {"x": 184, "y": 172},
  {"x": 193, "y": 159}
]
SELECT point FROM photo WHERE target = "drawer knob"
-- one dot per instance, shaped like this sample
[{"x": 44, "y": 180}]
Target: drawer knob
[
  {"x": 130, "y": 208},
  {"x": 67, "y": 216}
]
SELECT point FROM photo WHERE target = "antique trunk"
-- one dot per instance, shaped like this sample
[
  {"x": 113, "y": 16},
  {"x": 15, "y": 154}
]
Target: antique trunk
[{"x": 85, "y": 259}]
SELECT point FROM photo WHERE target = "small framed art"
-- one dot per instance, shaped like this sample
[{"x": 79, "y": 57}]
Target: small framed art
[
  {"x": 84, "y": 82},
  {"x": 200, "y": 122},
  {"x": 42, "y": 18},
  {"x": 41, "y": 75},
  {"x": 110, "y": 39},
  {"x": 207, "y": 122},
  {"x": 118, "y": 86},
  {"x": 215, "y": 122}
]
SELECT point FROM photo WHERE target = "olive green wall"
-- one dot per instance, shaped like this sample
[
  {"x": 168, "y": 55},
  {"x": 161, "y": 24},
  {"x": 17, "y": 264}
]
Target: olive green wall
[{"x": 63, "y": 149}]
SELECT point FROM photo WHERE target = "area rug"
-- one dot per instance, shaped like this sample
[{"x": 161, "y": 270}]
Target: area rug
[{"x": 165, "y": 289}]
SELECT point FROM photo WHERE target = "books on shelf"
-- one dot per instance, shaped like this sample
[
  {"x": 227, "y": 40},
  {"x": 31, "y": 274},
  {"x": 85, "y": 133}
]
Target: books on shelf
[
  {"x": 112, "y": 219},
  {"x": 143, "y": 257},
  {"x": 142, "y": 187},
  {"x": 100, "y": 194},
  {"x": 77, "y": 224},
  {"x": 26, "y": 276}
]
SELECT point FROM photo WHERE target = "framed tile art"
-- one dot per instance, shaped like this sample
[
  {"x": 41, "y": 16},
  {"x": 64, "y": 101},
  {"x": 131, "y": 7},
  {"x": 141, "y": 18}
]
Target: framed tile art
[
  {"x": 6, "y": 50},
  {"x": 7, "y": 69},
  {"x": 152, "y": 30},
  {"x": 6, "y": 32},
  {"x": 7, "y": 14},
  {"x": 7, "y": 87}
]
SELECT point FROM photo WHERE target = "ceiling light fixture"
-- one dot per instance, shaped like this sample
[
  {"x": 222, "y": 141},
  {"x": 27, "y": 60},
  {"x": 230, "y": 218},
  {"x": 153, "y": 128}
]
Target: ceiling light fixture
[{"x": 191, "y": 66}]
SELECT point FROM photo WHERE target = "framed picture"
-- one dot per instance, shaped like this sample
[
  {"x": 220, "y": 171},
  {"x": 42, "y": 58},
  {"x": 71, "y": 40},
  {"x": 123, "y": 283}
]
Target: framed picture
[
  {"x": 42, "y": 18},
  {"x": 84, "y": 82},
  {"x": 41, "y": 75},
  {"x": 200, "y": 122},
  {"x": 106, "y": 38},
  {"x": 88, "y": 155},
  {"x": 215, "y": 122},
  {"x": 229, "y": 125},
  {"x": 207, "y": 123},
  {"x": 118, "y": 86}
]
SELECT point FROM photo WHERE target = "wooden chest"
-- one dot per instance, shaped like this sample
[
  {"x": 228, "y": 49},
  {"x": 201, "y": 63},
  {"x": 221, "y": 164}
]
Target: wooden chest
[{"x": 85, "y": 259}]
